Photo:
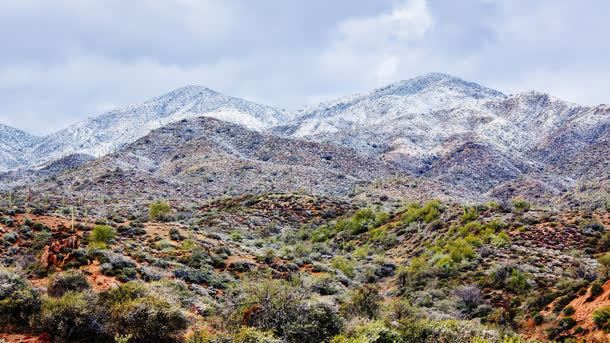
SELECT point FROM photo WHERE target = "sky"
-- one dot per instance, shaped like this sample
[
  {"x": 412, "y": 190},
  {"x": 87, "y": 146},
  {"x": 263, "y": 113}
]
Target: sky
[{"x": 62, "y": 61}]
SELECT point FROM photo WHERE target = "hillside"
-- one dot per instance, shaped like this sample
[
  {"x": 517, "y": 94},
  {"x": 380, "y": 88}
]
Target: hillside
[{"x": 199, "y": 158}]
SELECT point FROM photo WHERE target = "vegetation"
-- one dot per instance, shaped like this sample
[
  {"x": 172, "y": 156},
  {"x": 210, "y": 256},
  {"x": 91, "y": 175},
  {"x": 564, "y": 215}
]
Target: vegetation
[
  {"x": 159, "y": 210},
  {"x": 299, "y": 268}
]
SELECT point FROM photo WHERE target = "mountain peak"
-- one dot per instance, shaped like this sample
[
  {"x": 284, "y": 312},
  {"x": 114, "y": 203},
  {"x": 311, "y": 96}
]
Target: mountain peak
[{"x": 437, "y": 82}]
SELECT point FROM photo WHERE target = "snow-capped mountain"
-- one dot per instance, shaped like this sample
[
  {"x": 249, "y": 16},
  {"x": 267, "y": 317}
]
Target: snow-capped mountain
[
  {"x": 105, "y": 133},
  {"x": 13, "y": 143},
  {"x": 421, "y": 95},
  {"x": 435, "y": 126},
  {"x": 439, "y": 125}
]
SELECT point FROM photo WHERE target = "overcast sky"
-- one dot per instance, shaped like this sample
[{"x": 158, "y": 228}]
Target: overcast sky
[{"x": 63, "y": 61}]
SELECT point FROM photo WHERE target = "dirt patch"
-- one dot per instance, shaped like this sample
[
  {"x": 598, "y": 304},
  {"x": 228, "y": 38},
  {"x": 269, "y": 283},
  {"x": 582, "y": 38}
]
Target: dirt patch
[{"x": 10, "y": 338}]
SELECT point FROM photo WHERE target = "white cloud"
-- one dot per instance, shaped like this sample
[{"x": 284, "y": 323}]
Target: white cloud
[
  {"x": 371, "y": 50},
  {"x": 87, "y": 85}
]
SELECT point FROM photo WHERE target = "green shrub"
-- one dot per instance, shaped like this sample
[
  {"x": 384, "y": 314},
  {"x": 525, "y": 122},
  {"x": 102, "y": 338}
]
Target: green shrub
[
  {"x": 604, "y": 261},
  {"x": 18, "y": 300},
  {"x": 345, "y": 265},
  {"x": 364, "y": 301},
  {"x": 61, "y": 283},
  {"x": 521, "y": 205},
  {"x": 517, "y": 282},
  {"x": 596, "y": 290},
  {"x": 123, "y": 293},
  {"x": 159, "y": 210},
  {"x": 102, "y": 234},
  {"x": 71, "y": 316},
  {"x": 601, "y": 318},
  {"x": 317, "y": 322},
  {"x": 283, "y": 308},
  {"x": 568, "y": 311},
  {"x": 147, "y": 318},
  {"x": 369, "y": 332},
  {"x": 362, "y": 221},
  {"x": 428, "y": 213},
  {"x": 459, "y": 250},
  {"x": 470, "y": 214},
  {"x": 252, "y": 335}
]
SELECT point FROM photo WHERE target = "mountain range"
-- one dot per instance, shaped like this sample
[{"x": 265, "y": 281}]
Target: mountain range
[{"x": 435, "y": 127}]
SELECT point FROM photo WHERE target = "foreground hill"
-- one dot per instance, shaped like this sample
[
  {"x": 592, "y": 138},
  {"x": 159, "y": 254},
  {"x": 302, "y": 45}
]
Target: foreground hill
[{"x": 302, "y": 268}]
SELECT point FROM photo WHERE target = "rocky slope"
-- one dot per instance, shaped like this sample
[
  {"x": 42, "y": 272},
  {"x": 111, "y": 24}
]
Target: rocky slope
[{"x": 203, "y": 157}]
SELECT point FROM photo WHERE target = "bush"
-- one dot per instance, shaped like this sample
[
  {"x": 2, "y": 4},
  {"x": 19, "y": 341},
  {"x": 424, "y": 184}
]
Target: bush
[
  {"x": 601, "y": 318},
  {"x": 345, "y": 265},
  {"x": 517, "y": 282},
  {"x": 469, "y": 299},
  {"x": 159, "y": 210},
  {"x": 124, "y": 292},
  {"x": 373, "y": 332},
  {"x": 568, "y": 311},
  {"x": 251, "y": 335},
  {"x": 429, "y": 212},
  {"x": 18, "y": 300},
  {"x": 61, "y": 283},
  {"x": 596, "y": 290},
  {"x": 604, "y": 261},
  {"x": 102, "y": 234},
  {"x": 147, "y": 318},
  {"x": 317, "y": 322},
  {"x": 71, "y": 316},
  {"x": 470, "y": 214},
  {"x": 362, "y": 221},
  {"x": 521, "y": 205},
  {"x": 365, "y": 302},
  {"x": 283, "y": 308}
]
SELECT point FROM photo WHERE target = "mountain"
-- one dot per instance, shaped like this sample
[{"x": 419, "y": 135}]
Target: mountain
[
  {"x": 441, "y": 127},
  {"x": 13, "y": 144},
  {"x": 203, "y": 157},
  {"x": 106, "y": 133},
  {"x": 437, "y": 127}
]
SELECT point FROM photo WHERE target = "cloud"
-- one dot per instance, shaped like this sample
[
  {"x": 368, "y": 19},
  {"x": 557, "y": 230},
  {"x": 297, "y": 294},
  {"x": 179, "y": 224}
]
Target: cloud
[
  {"x": 90, "y": 85},
  {"x": 65, "y": 60},
  {"x": 372, "y": 49}
]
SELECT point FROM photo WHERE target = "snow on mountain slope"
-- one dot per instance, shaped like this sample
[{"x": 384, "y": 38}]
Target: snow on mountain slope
[
  {"x": 425, "y": 94},
  {"x": 103, "y": 134},
  {"x": 13, "y": 143},
  {"x": 423, "y": 124}
]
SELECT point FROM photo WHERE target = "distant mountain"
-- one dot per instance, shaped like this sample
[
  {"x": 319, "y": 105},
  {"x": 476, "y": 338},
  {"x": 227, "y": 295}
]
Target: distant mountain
[
  {"x": 13, "y": 144},
  {"x": 106, "y": 133},
  {"x": 202, "y": 157},
  {"x": 442, "y": 127},
  {"x": 438, "y": 127}
]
